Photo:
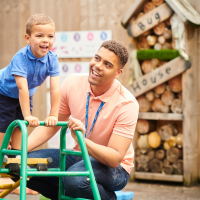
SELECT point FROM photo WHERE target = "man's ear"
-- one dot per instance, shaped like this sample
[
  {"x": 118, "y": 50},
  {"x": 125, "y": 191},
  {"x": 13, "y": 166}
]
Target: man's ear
[
  {"x": 119, "y": 72},
  {"x": 27, "y": 38}
]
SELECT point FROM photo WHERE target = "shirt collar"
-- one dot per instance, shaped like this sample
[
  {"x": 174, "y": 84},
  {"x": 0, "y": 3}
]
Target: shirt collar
[
  {"x": 106, "y": 96},
  {"x": 32, "y": 57}
]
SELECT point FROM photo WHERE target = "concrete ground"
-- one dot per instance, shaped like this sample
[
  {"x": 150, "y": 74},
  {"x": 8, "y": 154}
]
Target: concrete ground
[{"x": 149, "y": 190}]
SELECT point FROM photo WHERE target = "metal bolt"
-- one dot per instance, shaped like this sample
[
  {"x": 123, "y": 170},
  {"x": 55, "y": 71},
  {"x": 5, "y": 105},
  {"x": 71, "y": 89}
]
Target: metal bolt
[
  {"x": 87, "y": 179},
  {"x": 21, "y": 178},
  {"x": 28, "y": 179},
  {"x": 15, "y": 122}
]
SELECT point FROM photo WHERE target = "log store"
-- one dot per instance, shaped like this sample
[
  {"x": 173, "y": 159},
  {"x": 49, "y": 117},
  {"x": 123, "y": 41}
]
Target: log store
[{"x": 157, "y": 65}]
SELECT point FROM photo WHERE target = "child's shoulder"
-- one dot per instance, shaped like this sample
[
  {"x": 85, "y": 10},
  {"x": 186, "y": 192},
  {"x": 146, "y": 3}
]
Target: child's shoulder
[{"x": 51, "y": 54}]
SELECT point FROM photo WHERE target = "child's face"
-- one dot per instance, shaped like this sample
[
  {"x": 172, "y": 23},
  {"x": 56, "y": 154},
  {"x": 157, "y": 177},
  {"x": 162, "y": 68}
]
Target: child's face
[{"x": 41, "y": 39}]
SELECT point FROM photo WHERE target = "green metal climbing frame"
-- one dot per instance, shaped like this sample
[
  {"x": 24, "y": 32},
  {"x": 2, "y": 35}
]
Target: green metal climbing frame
[{"x": 59, "y": 172}]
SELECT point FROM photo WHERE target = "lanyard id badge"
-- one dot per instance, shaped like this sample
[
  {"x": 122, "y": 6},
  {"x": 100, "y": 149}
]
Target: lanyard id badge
[{"x": 95, "y": 118}]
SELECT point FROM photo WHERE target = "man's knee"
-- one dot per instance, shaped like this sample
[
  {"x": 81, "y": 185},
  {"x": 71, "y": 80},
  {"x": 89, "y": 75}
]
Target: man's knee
[{"x": 76, "y": 186}]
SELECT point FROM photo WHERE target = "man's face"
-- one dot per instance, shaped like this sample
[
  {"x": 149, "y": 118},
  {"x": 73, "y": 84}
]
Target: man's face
[
  {"x": 104, "y": 68},
  {"x": 41, "y": 39}
]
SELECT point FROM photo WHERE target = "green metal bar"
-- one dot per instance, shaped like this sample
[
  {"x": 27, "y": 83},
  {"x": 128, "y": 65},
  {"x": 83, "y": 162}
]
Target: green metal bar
[
  {"x": 12, "y": 152},
  {"x": 2, "y": 170},
  {"x": 88, "y": 165},
  {"x": 71, "y": 198},
  {"x": 23, "y": 170},
  {"x": 63, "y": 173},
  {"x": 62, "y": 160},
  {"x": 6, "y": 140},
  {"x": 73, "y": 153}
]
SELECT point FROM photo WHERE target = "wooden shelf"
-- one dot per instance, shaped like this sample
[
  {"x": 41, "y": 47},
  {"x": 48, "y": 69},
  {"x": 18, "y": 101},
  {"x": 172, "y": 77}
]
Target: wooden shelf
[
  {"x": 160, "y": 116},
  {"x": 158, "y": 176}
]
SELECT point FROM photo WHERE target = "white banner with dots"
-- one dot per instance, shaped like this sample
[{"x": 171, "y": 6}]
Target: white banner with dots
[
  {"x": 66, "y": 68},
  {"x": 79, "y": 44}
]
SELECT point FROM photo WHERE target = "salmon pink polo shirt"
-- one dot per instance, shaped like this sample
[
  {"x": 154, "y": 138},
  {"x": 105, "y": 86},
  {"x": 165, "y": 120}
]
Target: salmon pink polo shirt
[{"x": 118, "y": 116}]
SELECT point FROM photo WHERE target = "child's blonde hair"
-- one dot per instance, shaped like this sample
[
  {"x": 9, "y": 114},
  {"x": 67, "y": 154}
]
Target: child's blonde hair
[{"x": 38, "y": 19}]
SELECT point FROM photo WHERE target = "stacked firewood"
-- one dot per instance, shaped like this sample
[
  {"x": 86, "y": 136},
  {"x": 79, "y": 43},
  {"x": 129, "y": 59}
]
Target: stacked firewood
[
  {"x": 164, "y": 98},
  {"x": 160, "y": 37},
  {"x": 159, "y": 148}
]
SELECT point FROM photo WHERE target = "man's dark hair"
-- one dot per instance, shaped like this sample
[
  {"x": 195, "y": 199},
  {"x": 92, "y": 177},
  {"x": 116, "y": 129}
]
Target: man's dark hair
[{"x": 119, "y": 49}]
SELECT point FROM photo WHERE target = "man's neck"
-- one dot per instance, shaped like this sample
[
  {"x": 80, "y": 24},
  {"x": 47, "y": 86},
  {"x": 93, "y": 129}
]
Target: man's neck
[{"x": 99, "y": 90}]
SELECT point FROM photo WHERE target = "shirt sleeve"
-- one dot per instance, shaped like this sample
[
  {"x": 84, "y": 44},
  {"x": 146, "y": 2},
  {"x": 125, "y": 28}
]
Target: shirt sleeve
[
  {"x": 127, "y": 119},
  {"x": 54, "y": 69},
  {"x": 64, "y": 107},
  {"x": 19, "y": 65}
]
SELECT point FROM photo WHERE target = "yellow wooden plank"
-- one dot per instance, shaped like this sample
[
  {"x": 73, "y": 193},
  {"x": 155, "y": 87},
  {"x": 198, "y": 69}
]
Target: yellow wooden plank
[
  {"x": 6, "y": 186},
  {"x": 8, "y": 191},
  {"x": 30, "y": 161}
]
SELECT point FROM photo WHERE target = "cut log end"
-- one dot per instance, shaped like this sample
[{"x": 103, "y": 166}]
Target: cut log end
[
  {"x": 157, "y": 2},
  {"x": 148, "y": 6},
  {"x": 159, "y": 29},
  {"x": 155, "y": 165},
  {"x": 144, "y": 126},
  {"x": 176, "y": 106},
  {"x": 144, "y": 104},
  {"x": 154, "y": 139}
]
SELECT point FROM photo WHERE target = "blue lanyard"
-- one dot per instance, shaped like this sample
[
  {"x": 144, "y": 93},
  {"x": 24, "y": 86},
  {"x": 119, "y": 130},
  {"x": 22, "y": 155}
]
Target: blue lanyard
[{"x": 95, "y": 118}]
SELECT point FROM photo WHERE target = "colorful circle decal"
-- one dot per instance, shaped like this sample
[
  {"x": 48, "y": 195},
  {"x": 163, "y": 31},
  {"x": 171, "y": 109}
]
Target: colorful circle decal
[
  {"x": 64, "y": 37},
  {"x": 103, "y": 35},
  {"x": 90, "y": 36},
  {"x": 77, "y": 68},
  {"x": 65, "y": 68},
  {"x": 77, "y": 37}
]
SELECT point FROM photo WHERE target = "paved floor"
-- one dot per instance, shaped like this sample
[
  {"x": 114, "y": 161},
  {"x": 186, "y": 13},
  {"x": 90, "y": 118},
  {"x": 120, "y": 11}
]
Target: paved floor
[{"x": 148, "y": 190}]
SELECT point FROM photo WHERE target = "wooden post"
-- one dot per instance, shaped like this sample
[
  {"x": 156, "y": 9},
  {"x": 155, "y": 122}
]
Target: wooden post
[{"x": 191, "y": 150}]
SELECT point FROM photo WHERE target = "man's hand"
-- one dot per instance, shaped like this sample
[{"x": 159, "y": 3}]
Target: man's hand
[
  {"x": 75, "y": 124},
  {"x": 33, "y": 121},
  {"x": 51, "y": 121}
]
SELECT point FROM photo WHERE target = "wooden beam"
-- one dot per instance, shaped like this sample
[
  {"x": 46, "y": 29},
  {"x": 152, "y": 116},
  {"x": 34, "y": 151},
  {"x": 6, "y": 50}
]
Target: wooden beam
[
  {"x": 159, "y": 75},
  {"x": 185, "y": 11},
  {"x": 149, "y": 20},
  {"x": 133, "y": 10},
  {"x": 158, "y": 176},
  {"x": 160, "y": 116}
]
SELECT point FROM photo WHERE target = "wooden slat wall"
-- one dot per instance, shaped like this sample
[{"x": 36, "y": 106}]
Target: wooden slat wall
[
  {"x": 68, "y": 15},
  {"x": 191, "y": 103},
  {"x": 72, "y": 15}
]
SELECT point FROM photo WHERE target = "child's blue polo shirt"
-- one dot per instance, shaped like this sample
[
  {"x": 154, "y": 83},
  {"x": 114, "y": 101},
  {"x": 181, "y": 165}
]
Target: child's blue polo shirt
[{"x": 25, "y": 64}]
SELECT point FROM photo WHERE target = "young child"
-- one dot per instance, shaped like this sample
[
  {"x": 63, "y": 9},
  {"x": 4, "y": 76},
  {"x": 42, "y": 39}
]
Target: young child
[{"x": 28, "y": 69}]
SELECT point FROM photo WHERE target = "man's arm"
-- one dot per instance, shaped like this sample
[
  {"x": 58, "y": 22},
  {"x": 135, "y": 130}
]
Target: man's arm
[
  {"x": 24, "y": 100},
  {"x": 42, "y": 134},
  {"x": 55, "y": 94},
  {"x": 111, "y": 155}
]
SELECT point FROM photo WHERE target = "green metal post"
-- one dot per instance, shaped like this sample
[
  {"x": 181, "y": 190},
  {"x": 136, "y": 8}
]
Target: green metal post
[
  {"x": 62, "y": 160},
  {"x": 88, "y": 165}
]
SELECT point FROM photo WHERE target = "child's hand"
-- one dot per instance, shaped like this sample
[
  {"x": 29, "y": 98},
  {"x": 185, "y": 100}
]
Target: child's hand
[
  {"x": 75, "y": 124},
  {"x": 33, "y": 121},
  {"x": 51, "y": 121}
]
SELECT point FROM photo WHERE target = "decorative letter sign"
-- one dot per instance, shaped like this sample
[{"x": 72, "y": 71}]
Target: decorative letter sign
[
  {"x": 79, "y": 44},
  {"x": 159, "y": 75},
  {"x": 150, "y": 19}
]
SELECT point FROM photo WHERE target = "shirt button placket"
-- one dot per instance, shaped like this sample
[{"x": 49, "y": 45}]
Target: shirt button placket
[{"x": 36, "y": 70}]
